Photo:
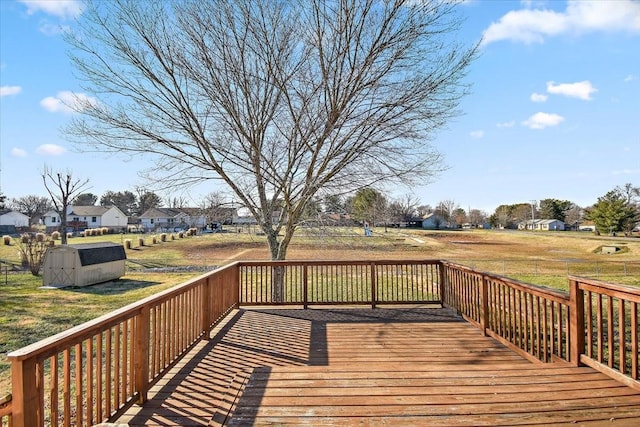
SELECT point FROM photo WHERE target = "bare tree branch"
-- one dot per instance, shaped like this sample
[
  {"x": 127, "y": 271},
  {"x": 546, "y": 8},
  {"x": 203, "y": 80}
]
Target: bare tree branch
[{"x": 282, "y": 100}]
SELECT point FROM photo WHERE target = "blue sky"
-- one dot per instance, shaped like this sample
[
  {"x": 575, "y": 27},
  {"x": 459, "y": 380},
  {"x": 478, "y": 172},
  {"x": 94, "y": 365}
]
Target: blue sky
[{"x": 554, "y": 110}]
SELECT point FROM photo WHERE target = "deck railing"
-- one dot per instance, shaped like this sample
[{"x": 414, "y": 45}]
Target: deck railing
[
  {"x": 595, "y": 324},
  {"x": 339, "y": 282},
  {"x": 95, "y": 371}
]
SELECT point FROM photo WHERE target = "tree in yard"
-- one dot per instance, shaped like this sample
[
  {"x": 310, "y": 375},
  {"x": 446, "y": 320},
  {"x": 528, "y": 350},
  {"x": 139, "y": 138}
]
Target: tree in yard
[
  {"x": 123, "y": 200},
  {"x": 368, "y": 206},
  {"x": 284, "y": 101},
  {"x": 612, "y": 212},
  {"x": 446, "y": 209},
  {"x": 477, "y": 217},
  {"x": 62, "y": 188},
  {"x": 554, "y": 209},
  {"x": 85, "y": 199},
  {"x": 147, "y": 200},
  {"x": 33, "y": 206},
  {"x": 404, "y": 208}
]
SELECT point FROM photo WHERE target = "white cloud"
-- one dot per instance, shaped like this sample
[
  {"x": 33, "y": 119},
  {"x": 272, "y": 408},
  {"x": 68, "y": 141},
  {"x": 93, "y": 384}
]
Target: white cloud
[
  {"x": 534, "y": 25},
  {"x": 510, "y": 124},
  {"x": 66, "y": 102},
  {"x": 10, "y": 90},
  {"x": 50, "y": 150},
  {"x": 60, "y": 8},
  {"x": 476, "y": 134},
  {"x": 538, "y": 97},
  {"x": 626, "y": 172},
  {"x": 581, "y": 90},
  {"x": 631, "y": 77},
  {"x": 18, "y": 152},
  {"x": 53, "y": 29},
  {"x": 542, "y": 120}
]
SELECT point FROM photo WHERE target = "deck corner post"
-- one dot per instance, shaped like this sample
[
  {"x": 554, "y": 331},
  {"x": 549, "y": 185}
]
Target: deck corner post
[
  {"x": 576, "y": 322},
  {"x": 484, "y": 305},
  {"x": 26, "y": 409},
  {"x": 143, "y": 334}
]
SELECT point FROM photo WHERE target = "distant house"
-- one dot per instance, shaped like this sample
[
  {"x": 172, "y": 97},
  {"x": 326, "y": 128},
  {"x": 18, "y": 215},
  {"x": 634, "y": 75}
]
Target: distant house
[
  {"x": 13, "y": 219},
  {"x": 433, "y": 221},
  {"x": 165, "y": 219},
  {"x": 82, "y": 217},
  {"x": 542, "y": 225}
]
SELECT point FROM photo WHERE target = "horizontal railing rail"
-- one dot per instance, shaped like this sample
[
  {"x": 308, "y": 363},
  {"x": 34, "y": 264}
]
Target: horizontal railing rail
[
  {"x": 95, "y": 371},
  {"x": 609, "y": 317},
  {"x": 339, "y": 282}
]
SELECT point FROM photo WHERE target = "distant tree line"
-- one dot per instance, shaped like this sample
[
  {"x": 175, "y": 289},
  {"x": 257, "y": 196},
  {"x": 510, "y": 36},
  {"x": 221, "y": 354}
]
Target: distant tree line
[{"x": 616, "y": 211}]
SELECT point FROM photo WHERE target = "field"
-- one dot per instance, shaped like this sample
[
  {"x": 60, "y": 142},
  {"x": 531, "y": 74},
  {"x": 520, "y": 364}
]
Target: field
[{"x": 29, "y": 313}]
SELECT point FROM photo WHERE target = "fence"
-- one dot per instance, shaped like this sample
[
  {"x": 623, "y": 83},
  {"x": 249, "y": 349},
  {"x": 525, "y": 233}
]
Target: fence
[{"x": 564, "y": 268}]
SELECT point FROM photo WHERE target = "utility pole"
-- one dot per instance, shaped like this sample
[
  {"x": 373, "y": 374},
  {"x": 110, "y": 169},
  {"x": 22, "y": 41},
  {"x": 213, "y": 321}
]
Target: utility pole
[{"x": 533, "y": 214}]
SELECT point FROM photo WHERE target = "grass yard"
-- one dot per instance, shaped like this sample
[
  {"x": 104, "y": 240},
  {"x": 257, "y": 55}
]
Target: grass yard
[{"x": 29, "y": 313}]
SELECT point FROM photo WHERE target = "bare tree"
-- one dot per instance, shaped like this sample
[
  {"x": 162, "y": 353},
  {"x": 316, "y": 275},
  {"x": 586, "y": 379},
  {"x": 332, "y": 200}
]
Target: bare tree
[
  {"x": 33, "y": 206},
  {"x": 284, "y": 101},
  {"x": 446, "y": 209},
  {"x": 62, "y": 188}
]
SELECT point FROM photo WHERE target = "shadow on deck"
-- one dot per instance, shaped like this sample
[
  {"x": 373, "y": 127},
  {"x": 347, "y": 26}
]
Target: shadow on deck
[{"x": 405, "y": 366}]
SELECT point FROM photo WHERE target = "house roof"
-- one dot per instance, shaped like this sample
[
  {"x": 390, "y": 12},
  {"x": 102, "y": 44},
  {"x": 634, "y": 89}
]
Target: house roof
[
  {"x": 89, "y": 210},
  {"x": 8, "y": 211},
  {"x": 162, "y": 213},
  {"x": 541, "y": 221}
]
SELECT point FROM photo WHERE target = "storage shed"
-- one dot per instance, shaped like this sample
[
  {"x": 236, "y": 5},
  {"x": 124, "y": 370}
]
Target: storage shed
[{"x": 84, "y": 264}]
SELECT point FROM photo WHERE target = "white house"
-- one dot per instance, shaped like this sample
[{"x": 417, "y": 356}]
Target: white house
[
  {"x": 165, "y": 218},
  {"x": 542, "y": 225},
  {"x": 17, "y": 219},
  {"x": 433, "y": 221},
  {"x": 82, "y": 217}
]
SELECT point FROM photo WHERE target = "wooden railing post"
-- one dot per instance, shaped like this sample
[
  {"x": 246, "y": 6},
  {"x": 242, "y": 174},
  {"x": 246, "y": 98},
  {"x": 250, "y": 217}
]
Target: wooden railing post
[
  {"x": 143, "y": 334},
  {"x": 305, "y": 287},
  {"x": 484, "y": 305},
  {"x": 576, "y": 322},
  {"x": 374, "y": 285},
  {"x": 442, "y": 277},
  {"x": 24, "y": 393},
  {"x": 206, "y": 306}
]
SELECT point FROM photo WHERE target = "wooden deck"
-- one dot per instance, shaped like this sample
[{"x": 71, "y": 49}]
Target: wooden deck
[{"x": 388, "y": 366}]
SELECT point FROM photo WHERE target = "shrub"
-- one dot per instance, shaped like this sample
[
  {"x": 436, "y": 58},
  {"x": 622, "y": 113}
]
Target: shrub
[
  {"x": 140, "y": 241},
  {"x": 154, "y": 240},
  {"x": 69, "y": 235},
  {"x": 32, "y": 250},
  {"x": 173, "y": 236},
  {"x": 127, "y": 244},
  {"x": 104, "y": 230},
  {"x": 55, "y": 235},
  {"x": 163, "y": 237},
  {"x": 181, "y": 234},
  {"x": 6, "y": 240}
]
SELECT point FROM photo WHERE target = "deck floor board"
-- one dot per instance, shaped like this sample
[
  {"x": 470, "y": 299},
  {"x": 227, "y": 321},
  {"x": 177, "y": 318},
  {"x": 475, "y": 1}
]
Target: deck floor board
[{"x": 389, "y": 366}]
